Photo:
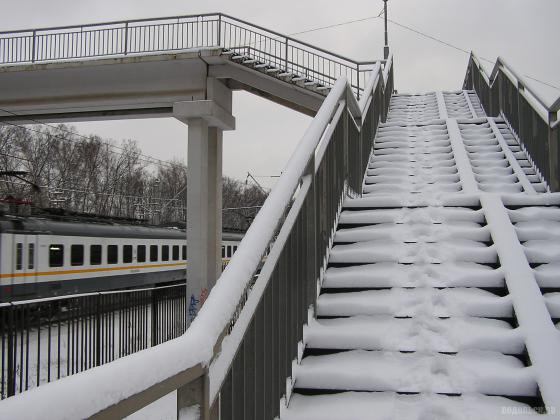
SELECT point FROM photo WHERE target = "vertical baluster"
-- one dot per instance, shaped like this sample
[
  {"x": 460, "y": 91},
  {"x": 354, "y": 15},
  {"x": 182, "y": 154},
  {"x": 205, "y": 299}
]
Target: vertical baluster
[
  {"x": 12, "y": 342},
  {"x": 27, "y": 327},
  {"x": 239, "y": 384},
  {"x": 3, "y": 333},
  {"x": 39, "y": 310}
]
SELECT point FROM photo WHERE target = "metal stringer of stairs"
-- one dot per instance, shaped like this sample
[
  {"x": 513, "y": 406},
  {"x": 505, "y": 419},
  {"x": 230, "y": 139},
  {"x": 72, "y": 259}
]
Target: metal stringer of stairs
[{"x": 277, "y": 71}]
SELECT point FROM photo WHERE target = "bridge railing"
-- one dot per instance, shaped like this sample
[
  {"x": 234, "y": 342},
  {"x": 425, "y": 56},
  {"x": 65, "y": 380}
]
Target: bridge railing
[
  {"x": 236, "y": 358},
  {"x": 133, "y": 37},
  {"x": 504, "y": 92}
]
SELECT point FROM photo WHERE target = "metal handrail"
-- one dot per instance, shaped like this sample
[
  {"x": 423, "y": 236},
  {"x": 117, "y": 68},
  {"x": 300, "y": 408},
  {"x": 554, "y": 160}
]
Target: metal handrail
[
  {"x": 297, "y": 223},
  {"x": 546, "y": 108},
  {"x": 202, "y": 15},
  {"x": 535, "y": 121},
  {"x": 176, "y": 33}
]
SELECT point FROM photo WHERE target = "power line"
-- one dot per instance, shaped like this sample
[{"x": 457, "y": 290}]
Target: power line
[
  {"x": 149, "y": 159},
  {"x": 14, "y": 157},
  {"x": 242, "y": 208},
  {"x": 418, "y": 32},
  {"x": 447, "y": 44},
  {"x": 540, "y": 81},
  {"x": 77, "y": 134},
  {"x": 338, "y": 24},
  {"x": 53, "y": 189}
]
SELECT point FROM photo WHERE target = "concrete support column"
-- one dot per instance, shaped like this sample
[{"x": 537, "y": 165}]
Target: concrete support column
[
  {"x": 204, "y": 211},
  {"x": 206, "y": 120}
]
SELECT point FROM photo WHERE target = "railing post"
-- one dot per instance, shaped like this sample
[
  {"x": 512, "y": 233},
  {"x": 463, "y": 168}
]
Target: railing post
[
  {"x": 500, "y": 93},
  {"x": 554, "y": 181},
  {"x": 195, "y": 396},
  {"x": 154, "y": 319},
  {"x": 311, "y": 236},
  {"x": 98, "y": 330},
  {"x": 126, "y": 38},
  {"x": 33, "y": 46},
  {"x": 358, "y": 81},
  {"x": 286, "y": 55},
  {"x": 345, "y": 128},
  {"x": 219, "y": 30},
  {"x": 11, "y": 368},
  {"x": 520, "y": 89}
]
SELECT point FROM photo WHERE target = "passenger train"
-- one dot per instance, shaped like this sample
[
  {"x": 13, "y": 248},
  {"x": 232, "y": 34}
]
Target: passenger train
[{"x": 42, "y": 257}]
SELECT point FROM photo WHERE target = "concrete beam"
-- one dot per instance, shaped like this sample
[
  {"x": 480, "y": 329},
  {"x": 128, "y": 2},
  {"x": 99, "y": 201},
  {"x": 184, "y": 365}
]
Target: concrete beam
[
  {"x": 125, "y": 87},
  {"x": 137, "y": 86},
  {"x": 208, "y": 110},
  {"x": 269, "y": 87}
]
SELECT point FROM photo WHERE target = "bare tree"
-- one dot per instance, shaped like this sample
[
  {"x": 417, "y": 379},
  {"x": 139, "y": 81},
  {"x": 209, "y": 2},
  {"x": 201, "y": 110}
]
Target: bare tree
[{"x": 85, "y": 174}]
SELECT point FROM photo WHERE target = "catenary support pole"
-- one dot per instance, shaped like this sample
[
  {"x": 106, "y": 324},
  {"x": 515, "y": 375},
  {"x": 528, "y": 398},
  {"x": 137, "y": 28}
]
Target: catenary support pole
[{"x": 386, "y": 48}]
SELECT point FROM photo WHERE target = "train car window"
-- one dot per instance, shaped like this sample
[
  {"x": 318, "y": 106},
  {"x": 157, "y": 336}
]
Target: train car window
[
  {"x": 184, "y": 252},
  {"x": 77, "y": 255},
  {"x": 112, "y": 254},
  {"x": 175, "y": 252},
  {"x": 127, "y": 254},
  {"x": 30, "y": 256},
  {"x": 19, "y": 256},
  {"x": 165, "y": 252},
  {"x": 234, "y": 249},
  {"x": 56, "y": 255},
  {"x": 141, "y": 253},
  {"x": 228, "y": 253},
  {"x": 223, "y": 251},
  {"x": 95, "y": 254},
  {"x": 153, "y": 253}
]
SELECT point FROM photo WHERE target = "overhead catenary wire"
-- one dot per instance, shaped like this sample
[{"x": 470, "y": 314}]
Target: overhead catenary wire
[
  {"x": 334, "y": 25},
  {"x": 418, "y": 32},
  {"x": 146, "y": 158},
  {"x": 57, "y": 127},
  {"x": 448, "y": 44},
  {"x": 14, "y": 157}
]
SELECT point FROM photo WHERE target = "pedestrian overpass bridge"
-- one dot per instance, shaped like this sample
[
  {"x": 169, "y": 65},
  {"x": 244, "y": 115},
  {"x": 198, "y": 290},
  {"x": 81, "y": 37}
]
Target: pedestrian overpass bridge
[{"x": 414, "y": 265}]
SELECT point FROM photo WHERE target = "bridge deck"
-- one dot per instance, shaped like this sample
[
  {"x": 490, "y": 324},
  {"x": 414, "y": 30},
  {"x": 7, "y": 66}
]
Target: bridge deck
[{"x": 441, "y": 293}]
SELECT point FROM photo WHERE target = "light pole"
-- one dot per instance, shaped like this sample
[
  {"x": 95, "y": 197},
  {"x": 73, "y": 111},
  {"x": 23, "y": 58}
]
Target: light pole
[{"x": 386, "y": 48}]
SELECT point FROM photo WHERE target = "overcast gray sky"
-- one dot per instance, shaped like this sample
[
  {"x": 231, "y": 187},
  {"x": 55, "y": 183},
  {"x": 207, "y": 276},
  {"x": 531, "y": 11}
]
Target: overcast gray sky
[{"x": 524, "y": 32}]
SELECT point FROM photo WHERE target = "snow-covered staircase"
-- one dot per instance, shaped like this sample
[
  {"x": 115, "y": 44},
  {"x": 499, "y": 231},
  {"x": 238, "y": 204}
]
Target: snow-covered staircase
[{"x": 442, "y": 287}]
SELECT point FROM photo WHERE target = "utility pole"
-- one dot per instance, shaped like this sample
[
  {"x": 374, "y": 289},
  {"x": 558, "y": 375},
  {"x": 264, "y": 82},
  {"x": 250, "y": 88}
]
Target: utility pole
[
  {"x": 386, "y": 48},
  {"x": 256, "y": 182}
]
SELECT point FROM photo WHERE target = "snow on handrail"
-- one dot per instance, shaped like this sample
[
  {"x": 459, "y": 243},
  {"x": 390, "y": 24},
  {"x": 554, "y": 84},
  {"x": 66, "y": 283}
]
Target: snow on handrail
[
  {"x": 152, "y": 373},
  {"x": 519, "y": 81}
]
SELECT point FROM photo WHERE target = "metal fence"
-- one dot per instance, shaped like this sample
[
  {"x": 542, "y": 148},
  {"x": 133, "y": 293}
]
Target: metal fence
[
  {"x": 535, "y": 122},
  {"x": 45, "y": 340},
  {"x": 181, "y": 33}
]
